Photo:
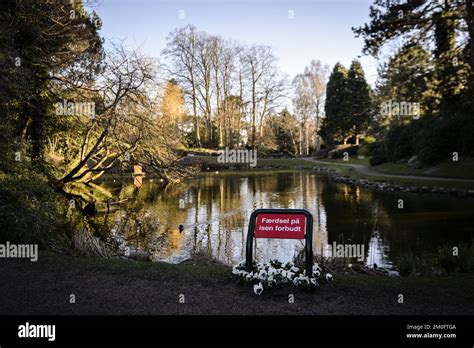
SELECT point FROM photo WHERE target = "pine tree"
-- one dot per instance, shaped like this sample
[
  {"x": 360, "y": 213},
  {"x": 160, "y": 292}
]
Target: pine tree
[
  {"x": 335, "y": 127},
  {"x": 358, "y": 100},
  {"x": 433, "y": 24}
]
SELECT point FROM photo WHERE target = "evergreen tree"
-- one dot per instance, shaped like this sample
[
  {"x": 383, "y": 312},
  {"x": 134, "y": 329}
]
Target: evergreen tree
[
  {"x": 359, "y": 100},
  {"x": 336, "y": 108},
  {"x": 43, "y": 44},
  {"x": 284, "y": 127},
  {"x": 432, "y": 24},
  {"x": 405, "y": 77}
]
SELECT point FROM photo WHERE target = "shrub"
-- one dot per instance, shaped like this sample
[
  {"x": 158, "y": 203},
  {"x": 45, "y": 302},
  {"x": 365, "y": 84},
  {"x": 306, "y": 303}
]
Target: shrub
[
  {"x": 377, "y": 152},
  {"x": 463, "y": 262},
  {"x": 339, "y": 153},
  {"x": 323, "y": 153},
  {"x": 398, "y": 142},
  {"x": 364, "y": 150},
  {"x": 406, "y": 264},
  {"x": 369, "y": 140},
  {"x": 31, "y": 211},
  {"x": 432, "y": 138}
]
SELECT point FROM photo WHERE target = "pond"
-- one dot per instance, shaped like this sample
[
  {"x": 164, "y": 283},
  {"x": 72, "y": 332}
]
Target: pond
[{"x": 214, "y": 209}]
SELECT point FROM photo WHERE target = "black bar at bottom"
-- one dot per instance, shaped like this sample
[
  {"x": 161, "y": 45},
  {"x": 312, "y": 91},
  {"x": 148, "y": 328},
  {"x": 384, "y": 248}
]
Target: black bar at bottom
[{"x": 190, "y": 330}]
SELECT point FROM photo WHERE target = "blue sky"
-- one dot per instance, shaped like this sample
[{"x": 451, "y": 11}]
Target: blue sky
[{"x": 321, "y": 29}]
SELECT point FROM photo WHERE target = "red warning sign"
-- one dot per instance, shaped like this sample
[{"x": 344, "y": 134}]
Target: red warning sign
[{"x": 289, "y": 226}]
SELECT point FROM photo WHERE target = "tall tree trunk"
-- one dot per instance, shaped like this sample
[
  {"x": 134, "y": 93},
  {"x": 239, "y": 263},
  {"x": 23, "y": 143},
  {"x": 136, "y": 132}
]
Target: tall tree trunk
[
  {"x": 209, "y": 131},
  {"x": 306, "y": 141},
  {"x": 241, "y": 108},
  {"x": 219, "y": 131},
  {"x": 300, "y": 152},
  {"x": 208, "y": 116},
  {"x": 196, "y": 118},
  {"x": 317, "y": 142},
  {"x": 254, "y": 119},
  {"x": 238, "y": 131}
]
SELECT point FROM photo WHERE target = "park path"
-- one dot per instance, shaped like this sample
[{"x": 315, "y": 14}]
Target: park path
[{"x": 365, "y": 170}]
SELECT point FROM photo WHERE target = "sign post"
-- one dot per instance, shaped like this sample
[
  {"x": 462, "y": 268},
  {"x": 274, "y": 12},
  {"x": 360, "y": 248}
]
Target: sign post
[{"x": 281, "y": 223}]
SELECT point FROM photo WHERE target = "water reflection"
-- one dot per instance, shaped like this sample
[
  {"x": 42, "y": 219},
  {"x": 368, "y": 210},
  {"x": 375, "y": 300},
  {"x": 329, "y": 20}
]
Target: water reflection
[
  {"x": 214, "y": 210},
  {"x": 377, "y": 255}
]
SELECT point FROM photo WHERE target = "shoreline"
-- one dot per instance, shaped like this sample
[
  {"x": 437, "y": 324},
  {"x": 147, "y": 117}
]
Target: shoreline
[{"x": 345, "y": 173}]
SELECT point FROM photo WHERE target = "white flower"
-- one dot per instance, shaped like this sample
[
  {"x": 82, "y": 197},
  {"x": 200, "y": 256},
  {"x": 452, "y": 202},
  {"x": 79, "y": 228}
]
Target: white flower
[
  {"x": 294, "y": 269},
  {"x": 258, "y": 289},
  {"x": 328, "y": 277},
  {"x": 305, "y": 280},
  {"x": 314, "y": 282},
  {"x": 290, "y": 275}
]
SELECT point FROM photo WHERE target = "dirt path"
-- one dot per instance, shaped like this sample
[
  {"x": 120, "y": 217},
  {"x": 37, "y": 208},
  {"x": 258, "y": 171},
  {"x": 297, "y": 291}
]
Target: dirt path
[
  {"x": 125, "y": 287},
  {"x": 365, "y": 170}
]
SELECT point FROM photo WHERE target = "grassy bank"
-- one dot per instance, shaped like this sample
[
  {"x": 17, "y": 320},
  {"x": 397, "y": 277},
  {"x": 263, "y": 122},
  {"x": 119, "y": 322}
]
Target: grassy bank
[
  {"x": 463, "y": 169},
  {"x": 105, "y": 286},
  {"x": 445, "y": 170}
]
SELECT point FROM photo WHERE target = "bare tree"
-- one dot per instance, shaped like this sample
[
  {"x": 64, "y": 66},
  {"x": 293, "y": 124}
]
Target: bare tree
[
  {"x": 205, "y": 45},
  {"x": 310, "y": 92},
  {"x": 318, "y": 75},
  {"x": 217, "y": 54},
  {"x": 215, "y": 72},
  {"x": 303, "y": 105},
  {"x": 182, "y": 54},
  {"x": 272, "y": 91},
  {"x": 125, "y": 126},
  {"x": 259, "y": 63}
]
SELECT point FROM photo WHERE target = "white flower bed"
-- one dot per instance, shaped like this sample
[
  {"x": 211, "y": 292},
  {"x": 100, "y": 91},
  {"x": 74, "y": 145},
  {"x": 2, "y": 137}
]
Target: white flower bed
[{"x": 274, "y": 273}]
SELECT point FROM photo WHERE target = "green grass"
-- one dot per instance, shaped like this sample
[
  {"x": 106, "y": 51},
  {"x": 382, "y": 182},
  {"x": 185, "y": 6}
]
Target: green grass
[
  {"x": 353, "y": 174},
  {"x": 286, "y": 163},
  {"x": 462, "y": 169},
  {"x": 352, "y": 160},
  {"x": 218, "y": 272},
  {"x": 201, "y": 271}
]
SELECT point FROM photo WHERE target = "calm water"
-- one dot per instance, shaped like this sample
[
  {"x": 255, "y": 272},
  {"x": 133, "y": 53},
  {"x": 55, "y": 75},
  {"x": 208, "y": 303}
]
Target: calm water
[{"x": 214, "y": 209}]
